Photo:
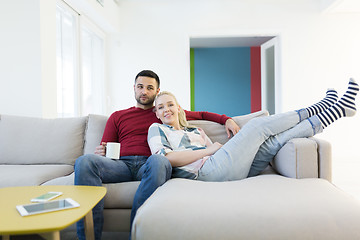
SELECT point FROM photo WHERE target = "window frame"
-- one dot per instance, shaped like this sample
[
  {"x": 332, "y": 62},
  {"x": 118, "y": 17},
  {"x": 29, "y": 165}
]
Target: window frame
[
  {"x": 82, "y": 22},
  {"x": 90, "y": 26}
]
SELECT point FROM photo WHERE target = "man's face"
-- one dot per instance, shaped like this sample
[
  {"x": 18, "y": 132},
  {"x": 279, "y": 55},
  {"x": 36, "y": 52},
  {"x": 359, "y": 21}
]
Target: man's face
[{"x": 145, "y": 89}]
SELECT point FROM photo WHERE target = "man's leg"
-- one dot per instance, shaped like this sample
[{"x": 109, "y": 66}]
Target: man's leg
[
  {"x": 93, "y": 170},
  {"x": 154, "y": 173}
]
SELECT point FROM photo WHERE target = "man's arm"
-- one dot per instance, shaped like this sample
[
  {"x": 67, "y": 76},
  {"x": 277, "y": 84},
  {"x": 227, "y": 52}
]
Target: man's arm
[
  {"x": 230, "y": 124},
  {"x": 209, "y": 116},
  {"x": 110, "y": 135}
]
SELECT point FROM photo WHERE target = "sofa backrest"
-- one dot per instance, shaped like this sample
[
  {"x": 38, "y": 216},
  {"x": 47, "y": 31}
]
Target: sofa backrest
[
  {"x": 94, "y": 132},
  {"x": 217, "y": 132},
  {"x": 28, "y": 140}
]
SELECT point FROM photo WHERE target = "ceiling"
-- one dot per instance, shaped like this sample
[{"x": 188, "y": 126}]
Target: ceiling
[
  {"x": 247, "y": 41},
  {"x": 341, "y": 6},
  {"x": 327, "y": 6}
]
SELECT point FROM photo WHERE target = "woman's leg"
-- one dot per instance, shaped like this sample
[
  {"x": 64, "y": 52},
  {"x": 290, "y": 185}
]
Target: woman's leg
[
  {"x": 272, "y": 145},
  {"x": 344, "y": 108},
  {"x": 329, "y": 100},
  {"x": 234, "y": 159}
]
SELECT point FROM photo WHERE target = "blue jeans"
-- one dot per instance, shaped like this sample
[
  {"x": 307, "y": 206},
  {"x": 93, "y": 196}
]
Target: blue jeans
[
  {"x": 272, "y": 145},
  {"x": 234, "y": 160},
  {"x": 94, "y": 170}
]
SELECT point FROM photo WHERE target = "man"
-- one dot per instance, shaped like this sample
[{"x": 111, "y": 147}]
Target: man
[{"x": 130, "y": 127}]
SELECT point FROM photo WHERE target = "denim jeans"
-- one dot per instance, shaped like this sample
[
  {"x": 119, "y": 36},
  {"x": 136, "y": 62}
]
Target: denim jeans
[
  {"x": 272, "y": 145},
  {"x": 94, "y": 170},
  {"x": 234, "y": 160}
]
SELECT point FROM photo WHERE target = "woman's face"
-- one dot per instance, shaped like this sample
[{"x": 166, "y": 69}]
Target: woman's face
[{"x": 167, "y": 110}]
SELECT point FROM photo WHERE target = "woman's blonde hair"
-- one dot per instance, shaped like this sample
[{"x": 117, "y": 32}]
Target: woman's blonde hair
[{"x": 182, "y": 116}]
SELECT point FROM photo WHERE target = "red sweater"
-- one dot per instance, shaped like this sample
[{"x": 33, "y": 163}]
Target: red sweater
[{"x": 130, "y": 128}]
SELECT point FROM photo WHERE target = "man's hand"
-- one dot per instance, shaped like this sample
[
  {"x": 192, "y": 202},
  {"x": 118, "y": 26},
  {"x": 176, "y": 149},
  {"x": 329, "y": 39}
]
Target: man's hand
[
  {"x": 231, "y": 127},
  {"x": 101, "y": 150}
]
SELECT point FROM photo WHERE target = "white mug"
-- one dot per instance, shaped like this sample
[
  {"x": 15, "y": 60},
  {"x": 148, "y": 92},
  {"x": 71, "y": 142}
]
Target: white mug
[{"x": 113, "y": 150}]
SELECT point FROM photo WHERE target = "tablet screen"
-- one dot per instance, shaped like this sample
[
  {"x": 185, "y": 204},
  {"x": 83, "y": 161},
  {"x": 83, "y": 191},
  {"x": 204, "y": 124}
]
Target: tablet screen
[{"x": 47, "y": 206}]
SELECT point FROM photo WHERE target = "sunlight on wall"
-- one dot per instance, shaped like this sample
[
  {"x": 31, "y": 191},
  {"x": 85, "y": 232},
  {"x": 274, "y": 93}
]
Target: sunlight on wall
[
  {"x": 346, "y": 175},
  {"x": 345, "y": 154}
]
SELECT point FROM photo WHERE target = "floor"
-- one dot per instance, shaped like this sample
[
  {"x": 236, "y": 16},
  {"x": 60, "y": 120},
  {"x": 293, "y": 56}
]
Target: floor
[
  {"x": 70, "y": 235},
  {"x": 346, "y": 175}
]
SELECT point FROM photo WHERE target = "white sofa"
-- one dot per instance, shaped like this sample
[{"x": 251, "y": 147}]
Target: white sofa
[
  {"x": 294, "y": 199},
  {"x": 35, "y": 151}
]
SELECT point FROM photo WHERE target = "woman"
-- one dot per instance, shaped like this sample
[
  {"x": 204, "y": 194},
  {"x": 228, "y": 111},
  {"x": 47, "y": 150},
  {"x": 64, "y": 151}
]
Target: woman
[{"x": 194, "y": 156}]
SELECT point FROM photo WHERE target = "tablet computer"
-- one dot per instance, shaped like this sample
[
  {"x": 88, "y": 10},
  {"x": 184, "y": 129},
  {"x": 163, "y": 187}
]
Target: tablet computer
[
  {"x": 46, "y": 197},
  {"x": 37, "y": 208}
]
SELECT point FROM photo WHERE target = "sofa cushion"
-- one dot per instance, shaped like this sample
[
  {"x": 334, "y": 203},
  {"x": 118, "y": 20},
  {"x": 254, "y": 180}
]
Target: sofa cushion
[
  {"x": 94, "y": 132},
  {"x": 115, "y": 197},
  {"x": 62, "y": 180},
  {"x": 26, "y": 140},
  {"x": 216, "y": 131},
  {"x": 253, "y": 208},
  {"x": 30, "y": 175}
]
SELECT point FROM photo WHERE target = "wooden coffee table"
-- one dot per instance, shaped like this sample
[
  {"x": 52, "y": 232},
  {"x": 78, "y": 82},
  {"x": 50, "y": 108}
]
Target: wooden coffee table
[{"x": 48, "y": 225}]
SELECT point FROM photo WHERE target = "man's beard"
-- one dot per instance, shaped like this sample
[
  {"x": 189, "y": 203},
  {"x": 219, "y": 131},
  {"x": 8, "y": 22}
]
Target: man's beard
[{"x": 147, "y": 102}]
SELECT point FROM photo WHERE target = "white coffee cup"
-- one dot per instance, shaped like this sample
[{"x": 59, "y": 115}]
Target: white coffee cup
[{"x": 113, "y": 150}]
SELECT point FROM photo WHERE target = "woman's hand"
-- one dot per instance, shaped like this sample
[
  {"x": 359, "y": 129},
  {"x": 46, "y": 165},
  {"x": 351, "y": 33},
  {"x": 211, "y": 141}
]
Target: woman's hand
[
  {"x": 213, "y": 148},
  {"x": 101, "y": 150}
]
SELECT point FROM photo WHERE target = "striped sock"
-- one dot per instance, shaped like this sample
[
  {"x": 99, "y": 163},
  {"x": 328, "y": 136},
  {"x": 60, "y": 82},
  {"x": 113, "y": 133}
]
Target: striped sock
[
  {"x": 345, "y": 107},
  {"x": 329, "y": 100}
]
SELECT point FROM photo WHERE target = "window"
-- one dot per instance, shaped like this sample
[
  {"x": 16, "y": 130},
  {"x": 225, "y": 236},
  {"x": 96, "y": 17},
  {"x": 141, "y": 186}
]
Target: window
[
  {"x": 92, "y": 71},
  {"x": 80, "y": 64},
  {"x": 67, "y": 62}
]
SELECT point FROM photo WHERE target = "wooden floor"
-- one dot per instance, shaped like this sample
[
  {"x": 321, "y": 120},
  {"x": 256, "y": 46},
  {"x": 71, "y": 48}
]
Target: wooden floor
[{"x": 70, "y": 235}]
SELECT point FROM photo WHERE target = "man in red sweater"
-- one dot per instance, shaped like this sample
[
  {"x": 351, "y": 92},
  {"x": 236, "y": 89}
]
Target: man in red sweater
[{"x": 130, "y": 127}]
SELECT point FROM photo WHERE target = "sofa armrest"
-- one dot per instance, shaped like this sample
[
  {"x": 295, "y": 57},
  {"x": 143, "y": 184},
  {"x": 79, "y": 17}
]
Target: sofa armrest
[
  {"x": 324, "y": 158},
  {"x": 304, "y": 158}
]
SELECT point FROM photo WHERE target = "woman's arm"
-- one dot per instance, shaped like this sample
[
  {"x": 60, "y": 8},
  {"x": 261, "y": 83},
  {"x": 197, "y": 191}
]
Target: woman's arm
[
  {"x": 207, "y": 140},
  {"x": 159, "y": 144},
  {"x": 182, "y": 158}
]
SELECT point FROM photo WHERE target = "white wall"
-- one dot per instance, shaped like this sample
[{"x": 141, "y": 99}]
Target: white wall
[
  {"x": 20, "y": 60},
  {"x": 28, "y": 58},
  {"x": 48, "y": 58}
]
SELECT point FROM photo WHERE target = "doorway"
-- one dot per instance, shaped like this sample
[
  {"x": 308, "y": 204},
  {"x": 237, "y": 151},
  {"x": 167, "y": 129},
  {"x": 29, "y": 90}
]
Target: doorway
[{"x": 234, "y": 75}]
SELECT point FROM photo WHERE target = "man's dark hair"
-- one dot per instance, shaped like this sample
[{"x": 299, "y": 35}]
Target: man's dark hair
[{"x": 149, "y": 73}]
